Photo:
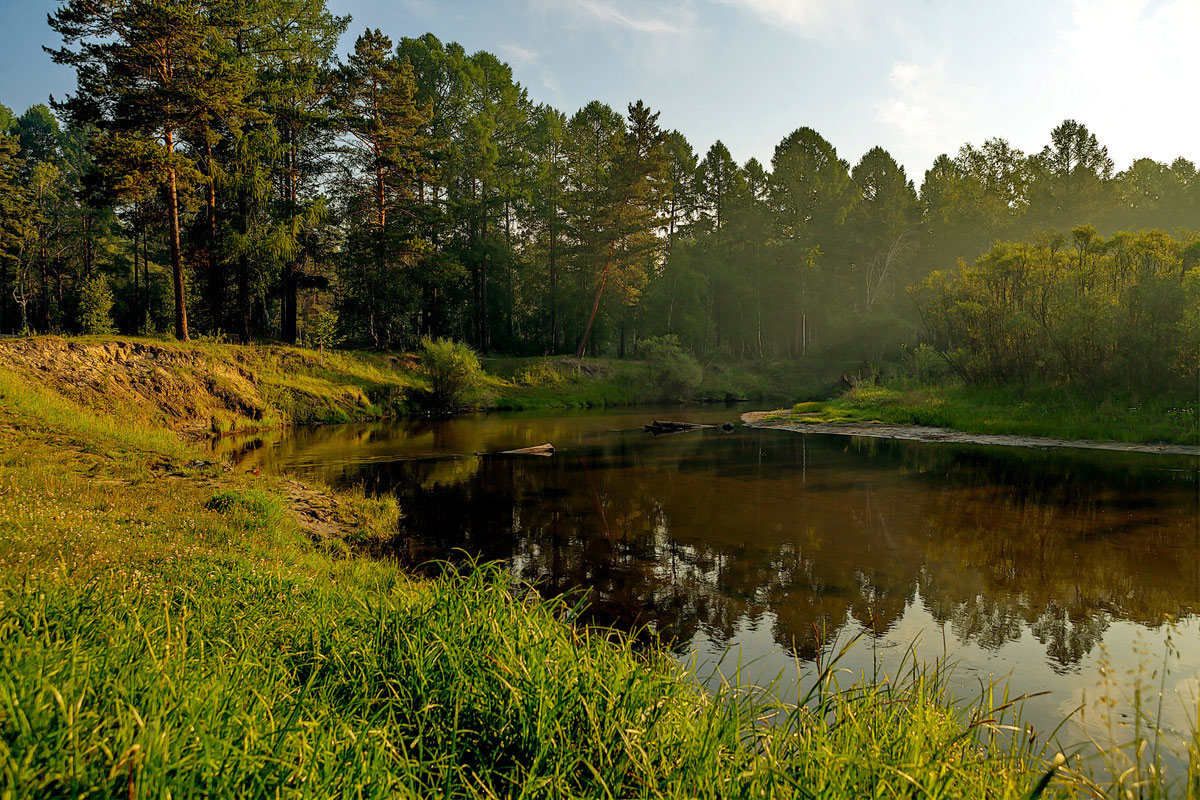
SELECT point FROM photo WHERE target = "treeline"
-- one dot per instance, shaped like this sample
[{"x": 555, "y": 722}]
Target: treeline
[
  {"x": 220, "y": 169},
  {"x": 1072, "y": 310}
]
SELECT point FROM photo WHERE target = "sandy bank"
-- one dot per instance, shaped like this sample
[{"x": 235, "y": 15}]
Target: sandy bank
[{"x": 919, "y": 433}]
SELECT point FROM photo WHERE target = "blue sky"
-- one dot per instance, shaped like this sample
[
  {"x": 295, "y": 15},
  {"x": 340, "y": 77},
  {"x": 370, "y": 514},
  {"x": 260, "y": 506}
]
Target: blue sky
[{"x": 919, "y": 77}]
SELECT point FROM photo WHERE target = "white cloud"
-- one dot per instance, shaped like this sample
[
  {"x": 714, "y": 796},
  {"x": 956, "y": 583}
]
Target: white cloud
[
  {"x": 804, "y": 16},
  {"x": 517, "y": 55},
  {"x": 648, "y": 16},
  {"x": 928, "y": 111},
  {"x": 657, "y": 37}
]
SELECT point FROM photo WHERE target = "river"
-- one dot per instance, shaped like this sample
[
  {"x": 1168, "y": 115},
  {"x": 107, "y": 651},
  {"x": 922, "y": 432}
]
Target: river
[{"x": 1075, "y": 573}]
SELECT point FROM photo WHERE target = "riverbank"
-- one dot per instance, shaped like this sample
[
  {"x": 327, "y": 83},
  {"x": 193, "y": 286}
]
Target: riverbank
[
  {"x": 527, "y": 384},
  {"x": 777, "y": 420},
  {"x": 993, "y": 416},
  {"x": 204, "y": 388},
  {"x": 173, "y": 626}
]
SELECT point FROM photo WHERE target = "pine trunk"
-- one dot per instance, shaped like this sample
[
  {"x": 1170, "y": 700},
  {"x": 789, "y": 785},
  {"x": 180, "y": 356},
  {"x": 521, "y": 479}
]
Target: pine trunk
[
  {"x": 45, "y": 274},
  {"x": 288, "y": 321},
  {"x": 216, "y": 293},
  {"x": 587, "y": 331},
  {"x": 172, "y": 198}
]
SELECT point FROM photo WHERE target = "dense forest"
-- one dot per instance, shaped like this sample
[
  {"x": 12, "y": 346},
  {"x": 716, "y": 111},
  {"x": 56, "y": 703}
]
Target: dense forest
[{"x": 221, "y": 170}]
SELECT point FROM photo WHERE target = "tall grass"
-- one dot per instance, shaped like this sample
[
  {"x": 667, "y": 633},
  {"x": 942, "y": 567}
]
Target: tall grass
[{"x": 220, "y": 679}]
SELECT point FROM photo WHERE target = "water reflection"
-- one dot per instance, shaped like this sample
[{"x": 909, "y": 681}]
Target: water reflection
[{"x": 697, "y": 535}]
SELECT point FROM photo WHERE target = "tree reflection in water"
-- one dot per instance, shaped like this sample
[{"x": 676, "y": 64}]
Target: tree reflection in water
[{"x": 705, "y": 531}]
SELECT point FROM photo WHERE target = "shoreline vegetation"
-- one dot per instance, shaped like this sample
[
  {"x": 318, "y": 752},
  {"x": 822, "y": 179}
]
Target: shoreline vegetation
[
  {"x": 201, "y": 389},
  {"x": 170, "y": 626},
  {"x": 1006, "y": 416}
]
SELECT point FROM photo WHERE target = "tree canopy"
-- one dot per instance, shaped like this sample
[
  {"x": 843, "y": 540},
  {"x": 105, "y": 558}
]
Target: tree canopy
[{"x": 225, "y": 172}]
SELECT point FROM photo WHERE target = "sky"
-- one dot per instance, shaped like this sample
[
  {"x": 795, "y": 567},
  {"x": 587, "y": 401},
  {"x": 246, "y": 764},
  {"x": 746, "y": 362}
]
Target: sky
[{"x": 917, "y": 77}]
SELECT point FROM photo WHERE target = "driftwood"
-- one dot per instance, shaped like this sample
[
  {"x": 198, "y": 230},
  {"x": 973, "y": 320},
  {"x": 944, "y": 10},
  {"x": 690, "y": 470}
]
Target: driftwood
[
  {"x": 538, "y": 450},
  {"x": 659, "y": 427}
]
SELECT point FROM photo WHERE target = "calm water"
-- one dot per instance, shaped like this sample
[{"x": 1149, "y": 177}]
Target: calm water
[{"x": 1041, "y": 567}]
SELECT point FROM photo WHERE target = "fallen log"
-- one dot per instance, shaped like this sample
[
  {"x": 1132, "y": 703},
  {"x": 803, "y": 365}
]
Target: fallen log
[
  {"x": 537, "y": 450},
  {"x": 660, "y": 427}
]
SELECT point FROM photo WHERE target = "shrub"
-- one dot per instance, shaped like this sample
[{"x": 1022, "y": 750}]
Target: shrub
[
  {"x": 674, "y": 370},
  {"x": 927, "y": 365},
  {"x": 540, "y": 374},
  {"x": 455, "y": 376},
  {"x": 95, "y": 304}
]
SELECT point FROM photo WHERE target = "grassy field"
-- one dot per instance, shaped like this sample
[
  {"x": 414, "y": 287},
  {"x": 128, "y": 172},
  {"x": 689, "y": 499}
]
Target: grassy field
[
  {"x": 1018, "y": 411},
  {"x": 170, "y": 629}
]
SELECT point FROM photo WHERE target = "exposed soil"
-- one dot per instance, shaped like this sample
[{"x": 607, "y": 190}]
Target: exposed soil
[
  {"x": 920, "y": 433},
  {"x": 179, "y": 388},
  {"x": 319, "y": 513}
]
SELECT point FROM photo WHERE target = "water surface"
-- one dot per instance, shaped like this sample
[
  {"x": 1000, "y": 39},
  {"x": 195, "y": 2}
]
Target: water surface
[{"x": 1039, "y": 566}]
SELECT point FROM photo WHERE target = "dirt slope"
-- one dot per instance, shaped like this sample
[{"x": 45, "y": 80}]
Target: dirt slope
[{"x": 201, "y": 389}]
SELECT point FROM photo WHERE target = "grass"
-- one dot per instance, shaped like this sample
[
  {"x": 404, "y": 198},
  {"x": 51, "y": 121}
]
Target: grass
[
  {"x": 210, "y": 387},
  {"x": 169, "y": 631},
  {"x": 563, "y": 382},
  {"x": 1031, "y": 411}
]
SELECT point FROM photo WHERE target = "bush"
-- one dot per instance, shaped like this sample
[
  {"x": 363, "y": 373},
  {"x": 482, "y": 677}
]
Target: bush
[
  {"x": 674, "y": 370},
  {"x": 455, "y": 377},
  {"x": 927, "y": 365},
  {"x": 540, "y": 374},
  {"x": 95, "y": 306}
]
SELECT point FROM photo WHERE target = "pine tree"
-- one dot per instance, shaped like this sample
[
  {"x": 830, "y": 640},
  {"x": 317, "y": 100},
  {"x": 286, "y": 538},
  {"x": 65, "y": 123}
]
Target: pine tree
[
  {"x": 142, "y": 67},
  {"x": 628, "y": 213},
  {"x": 811, "y": 193},
  {"x": 545, "y": 210},
  {"x": 146, "y": 72},
  {"x": 376, "y": 105},
  {"x": 17, "y": 230},
  {"x": 294, "y": 45}
]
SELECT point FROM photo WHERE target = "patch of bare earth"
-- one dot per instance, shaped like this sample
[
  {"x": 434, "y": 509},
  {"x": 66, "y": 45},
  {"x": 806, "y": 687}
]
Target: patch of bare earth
[
  {"x": 320, "y": 514},
  {"x": 179, "y": 388}
]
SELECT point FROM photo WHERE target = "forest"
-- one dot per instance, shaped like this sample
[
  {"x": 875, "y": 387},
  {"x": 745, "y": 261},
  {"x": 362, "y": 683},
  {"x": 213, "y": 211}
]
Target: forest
[{"x": 223, "y": 171}]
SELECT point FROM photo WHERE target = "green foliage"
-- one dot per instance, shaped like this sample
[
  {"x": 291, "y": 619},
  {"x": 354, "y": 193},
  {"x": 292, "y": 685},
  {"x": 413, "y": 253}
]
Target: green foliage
[
  {"x": 927, "y": 365},
  {"x": 456, "y": 379},
  {"x": 95, "y": 306},
  {"x": 376, "y": 104},
  {"x": 321, "y": 330},
  {"x": 673, "y": 370},
  {"x": 420, "y": 186},
  {"x": 541, "y": 374},
  {"x": 1090, "y": 312}
]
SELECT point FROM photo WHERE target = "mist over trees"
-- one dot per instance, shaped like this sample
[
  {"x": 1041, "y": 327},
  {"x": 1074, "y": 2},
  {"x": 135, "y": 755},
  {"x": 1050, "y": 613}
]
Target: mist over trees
[{"x": 221, "y": 170}]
